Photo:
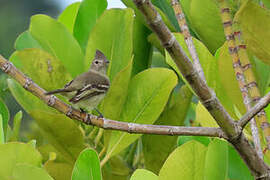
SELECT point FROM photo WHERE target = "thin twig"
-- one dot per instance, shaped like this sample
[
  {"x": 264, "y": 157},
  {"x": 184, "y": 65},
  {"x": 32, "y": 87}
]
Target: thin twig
[
  {"x": 89, "y": 119},
  {"x": 261, "y": 104},
  {"x": 205, "y": 94},
  {"x": 180, "y": 16}
]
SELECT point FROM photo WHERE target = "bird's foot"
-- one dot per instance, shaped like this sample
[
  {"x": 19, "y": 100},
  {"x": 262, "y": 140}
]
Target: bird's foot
[
  {"x": 100, "y": 114},
  {"x": 82, "y": 110}
]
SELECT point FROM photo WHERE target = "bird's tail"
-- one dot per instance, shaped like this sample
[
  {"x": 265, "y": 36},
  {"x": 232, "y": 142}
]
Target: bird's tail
[{"x": 56, "y": 91}]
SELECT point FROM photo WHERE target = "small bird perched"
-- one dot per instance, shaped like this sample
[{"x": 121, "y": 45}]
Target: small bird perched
[{"x": 88, "y": 89}]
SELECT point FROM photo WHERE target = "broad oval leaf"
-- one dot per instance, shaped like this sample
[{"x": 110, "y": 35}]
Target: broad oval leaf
[
  {"x": 61, "y": 132},
  {"x": 216, "y": 160},
  {"x": 209, "y": 65},
  {"x": 204, "y": 117},
  {"x": 88, "y": 13},
  {"x": 15, "y": 153},
  {"x": 26, "y": 40},
  {"x": 185, "y": 162},
  {"x": 148, "y": 93},
  {"x": 157, "y": 148},
  {"x": 142, "y": 174},
  {"x": 58, "y": 170},
  {"x": 42, "y": 68},
  {"x": 16, "y": 126},
  {"x": 54, "y": 37},
  {"x": 69, "y": 15},
  {"x": 29, "y": 172},
  {"x": 113, "y": 35},
  {"x": 254, "y": 22},
  {"x": 87, "y": 166}
]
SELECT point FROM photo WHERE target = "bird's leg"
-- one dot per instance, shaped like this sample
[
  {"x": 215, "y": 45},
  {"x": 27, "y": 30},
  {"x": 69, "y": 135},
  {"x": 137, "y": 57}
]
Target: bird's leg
[{"x": 100, "y": 114}]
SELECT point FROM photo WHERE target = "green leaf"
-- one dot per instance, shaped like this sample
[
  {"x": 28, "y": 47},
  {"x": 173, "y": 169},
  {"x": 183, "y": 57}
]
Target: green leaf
[
  {"x": 166, "y": 7},
  {"x": 205, "y": 21},
  {"x": 42, "y": 68},
  {"x": 15, "y": 153},
  {"x": 165, "y": 19},
  {"x": 57, "y": 40},
  {"x": 26, "y": 40},
  {"x": 2, "y": 136},
  {"x": 216, "y": 160},
  {"x": 5, "y": 116},
  {"x": 157, "y": 148},
  {"x": 228, "y": 78},
  {"x": 117, "y": 94},
  {"x": 16, "y": 126},
  {"x": 87, "y": 166},
  {"x": 69, "y": 15},
  {"x": 142, "y": 174},
  {"x": 185, "y": 162},
  {"x": 88, "y": 13},
  {"x": 61, "y": 132},
  {"x": 142, "y": 49},
  {"x": 202, "y": 139},
  {"x": 148, "y": 93},
  {"x": 116, "y": 169},
  {"x": 105, "y": 36},
  {"x": 29, "y": 172},
  {"x": 153, "y": 39},
  {"x": 27, "y": 100},
  {"x": 58, "y": 170},
  {"x": 204, "y": 117},
  {"x": 209, "y": 65},
  {"x": 237, "y": 168},
  {"x": 254, "y": 21}
]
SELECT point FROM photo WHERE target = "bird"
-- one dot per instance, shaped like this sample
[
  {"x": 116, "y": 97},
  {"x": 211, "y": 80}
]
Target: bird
[{"x": 88, "y": 89}]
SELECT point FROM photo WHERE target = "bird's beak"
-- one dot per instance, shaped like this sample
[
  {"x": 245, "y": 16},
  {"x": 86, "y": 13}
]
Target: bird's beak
[{"x": 107, "y": 61}]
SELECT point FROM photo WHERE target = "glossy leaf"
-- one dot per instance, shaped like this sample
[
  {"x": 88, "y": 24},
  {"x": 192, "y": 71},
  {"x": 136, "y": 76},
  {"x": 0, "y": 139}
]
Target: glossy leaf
[
  {"x": 216, "y": 160},
  {"x": 57, "y": 40},
  {"x": 42, "y": 68},
  {"x": 228, "y": 78},
  {"x": 105, "y": 37},
  {"x": 29, "y": 172},
  {"x": 166, "y": 7},
  {"x": 58, "y": 170},
  {"x": 147, "y": 96},
  {"x": 15, "y": 153},
  {"x": 205, "y": 21},
  {"x": 185, "y": 162},
  {"x": 157, "y": 148},
  {"x": 61, "y": 132},
  {"x": 87, "y": 166},
  {"x": 202, "y": 139},
  {"x": 2, "y": 136},
  {"x": 164, "y": 17},
  {"x": 204, "y": 117},
  {"x": 88, "y": 13},
  {"x": 26, "y": 40},
  {"x": 142, "y": 174},
  {"x": 69, "y": 15},
  {"x": 142, "y": 49},
  {"x": 5, "y": 116},
  {"x": 254, "y": 21},
  {"x": 16, "y": 126},
  {"x": 237, "y": 168},
  {"x": 209, "y": 65},
  {"x": 117, "y": 94},
  {"x": 27, "y": 100}
]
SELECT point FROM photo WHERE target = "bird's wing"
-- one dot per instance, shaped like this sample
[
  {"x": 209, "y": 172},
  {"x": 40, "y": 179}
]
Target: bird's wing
[{"x": 89, "y": 91}]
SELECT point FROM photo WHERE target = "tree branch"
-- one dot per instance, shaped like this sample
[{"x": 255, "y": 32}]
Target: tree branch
[
  {"x": 89, "y": 119},
  {"x": 261, "y": 104},
  {"x": 205, "y": 94}
]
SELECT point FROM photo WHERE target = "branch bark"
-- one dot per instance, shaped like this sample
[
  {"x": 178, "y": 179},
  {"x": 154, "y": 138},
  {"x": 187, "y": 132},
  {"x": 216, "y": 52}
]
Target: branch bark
[
  {"x": 208, "y": 98},
  {"x": 89, "y": 119},
  {"x": 255, "y": 110}
]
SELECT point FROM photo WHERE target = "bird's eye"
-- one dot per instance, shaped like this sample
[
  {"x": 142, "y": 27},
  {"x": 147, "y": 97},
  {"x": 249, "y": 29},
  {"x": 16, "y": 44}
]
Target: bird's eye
[{"x": 96, "y": 62}]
